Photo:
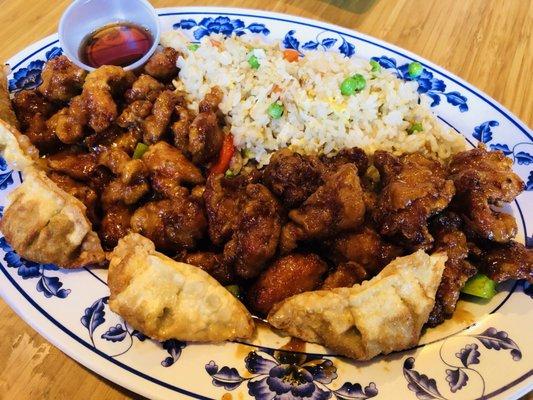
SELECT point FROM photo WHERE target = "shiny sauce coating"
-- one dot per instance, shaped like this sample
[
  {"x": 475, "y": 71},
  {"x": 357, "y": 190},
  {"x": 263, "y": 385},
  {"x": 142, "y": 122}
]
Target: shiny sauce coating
[{"x": 119, "y": 44}]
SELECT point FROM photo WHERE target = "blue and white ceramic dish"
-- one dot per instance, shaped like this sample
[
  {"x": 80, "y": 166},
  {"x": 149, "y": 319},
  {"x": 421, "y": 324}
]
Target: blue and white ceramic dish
[{"x": 485, "y": 351}]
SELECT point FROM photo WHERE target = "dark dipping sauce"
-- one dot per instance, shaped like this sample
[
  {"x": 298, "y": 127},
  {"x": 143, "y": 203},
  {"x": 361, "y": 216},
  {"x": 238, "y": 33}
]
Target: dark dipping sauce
[{"x": 118, "y": 44}]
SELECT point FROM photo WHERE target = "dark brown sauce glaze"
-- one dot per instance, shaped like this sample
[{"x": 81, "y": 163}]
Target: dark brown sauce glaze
[
  {"x": 294, "y": 345},
  {"x": 119, "y": 44}
]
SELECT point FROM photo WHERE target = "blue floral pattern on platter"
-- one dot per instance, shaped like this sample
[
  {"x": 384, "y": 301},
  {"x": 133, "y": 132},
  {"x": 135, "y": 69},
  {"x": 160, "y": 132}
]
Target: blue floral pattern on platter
[
  {"x": 94, "y": 316},
  {"x": 323, "y": 40},
  {"x": 278, "y": 374},
  {"x": 6, "y": 178},
  {"x": 280, "y": 377},
  {"x": 457, "y": 376},
  {"x": 427, "y": 83},
  {"x": 223, "y": 25},
  {"x": 30, "y": 77}
]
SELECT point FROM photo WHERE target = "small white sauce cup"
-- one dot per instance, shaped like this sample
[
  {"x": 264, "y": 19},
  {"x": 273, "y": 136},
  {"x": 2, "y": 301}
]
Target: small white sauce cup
[{"x": 83, "y": 17}]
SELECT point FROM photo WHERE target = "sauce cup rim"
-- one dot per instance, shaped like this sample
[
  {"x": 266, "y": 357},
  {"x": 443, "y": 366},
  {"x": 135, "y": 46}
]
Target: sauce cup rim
[{"x": 75, "y": 58}]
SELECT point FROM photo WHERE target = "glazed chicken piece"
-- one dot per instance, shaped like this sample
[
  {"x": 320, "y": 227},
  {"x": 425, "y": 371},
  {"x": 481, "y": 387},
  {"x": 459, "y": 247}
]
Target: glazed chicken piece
[
  {"x": 287, "y": 276},
  {"x": 131, "y": 182},
  {"x": 62, "y": 79},
  {"x": 364, "y": 247},
  {"x": 32, "y": 111},
  {"x": 99, "y": 179},
  {"x": 414, "y": 189},
  {"x": 503, "y": 262},
  {"x": 134, "y": 114},
  {"x": 98, "y": 90},
  {"x": 76, "y": 164},
  {"x": 213, "y": 264},
  {"x": 334, "y": 207},
  {"x": 169, "y": 168},
  {"x": 115, "y": 225},
  {"x": 155, "y": 125},
  {"x": 292, "y": 177},
  {"x": 211, "y": 100},
  {"x": 457, "y": 270},
  {"x": 162, "y": 65},
  {"x": 199, "y": 137},
  {"x": 172, "y": 224},
  {"x": 118, "y": 192},
  {"x": 144, "y": 88},
  {"x": 355, "y": 155},
  {"x": 114, "y": 138},
  {"x": 31, "y": 103},
  {"x": 68, "y": 124},
  {"x": 41, "y": 137},
  {"x": 205, "y": 138},
  {"x": 346, "y": 274},
  {"x": 483, "y": 178},
  {"x": 65, "y": 126},
  {"x": 224, "y": 198},
  {"x": 180, "y": 128},
  {"x": 122, "y": 165},
  {"x": 80, "y": 191},
  {"x": 256, "y": 233}
]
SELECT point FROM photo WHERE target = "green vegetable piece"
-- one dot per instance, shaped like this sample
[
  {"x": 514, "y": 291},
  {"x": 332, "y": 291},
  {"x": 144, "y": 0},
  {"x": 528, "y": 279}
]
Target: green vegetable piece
[
  {"x": 348, "y": 86},
  {"x": 229, "y": 173},
  {"x": 193, "y": 46},
  {"x": 353, "y": 84},
  {"x": 140, "y": 149},
  {"x": 360, "y": 82},
  {"x": 480, "y": 285},
  {"x": 275, "y": 110},
  {"x": 415, "y": 69},
  {"x": 246, "y": 153},
  {"x": 416, "y": 127},
  {"x": 253, "y": 62},
  {"x": 375, "y": 66},
  {"x": 234, "y": 290}
]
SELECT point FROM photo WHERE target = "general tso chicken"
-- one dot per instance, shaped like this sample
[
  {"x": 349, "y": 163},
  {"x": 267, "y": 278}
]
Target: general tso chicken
[{"x": 131, "y": 149}]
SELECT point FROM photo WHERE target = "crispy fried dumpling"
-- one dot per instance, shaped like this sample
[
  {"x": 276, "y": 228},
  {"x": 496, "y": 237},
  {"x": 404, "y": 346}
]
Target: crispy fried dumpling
[
  {"x": 167, "y": 299},
  {"x": 46, "y": 225},
  {"x": 378, "y": 316},
  {"x": 6, "y": 110},
  {"x": 16, "y": 148}
]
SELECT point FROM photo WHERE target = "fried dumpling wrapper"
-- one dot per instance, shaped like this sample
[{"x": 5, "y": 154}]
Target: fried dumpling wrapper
[
  {"x": 379, "y": 316},
  {"x": 6, "y": 111},
  {"x": 47, "y": 225},
  {"x": 167, "y": 299}
]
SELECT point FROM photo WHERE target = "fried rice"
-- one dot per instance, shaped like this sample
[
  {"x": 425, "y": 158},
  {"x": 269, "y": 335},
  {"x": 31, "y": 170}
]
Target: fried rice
[{"x": 317, "y": 118}]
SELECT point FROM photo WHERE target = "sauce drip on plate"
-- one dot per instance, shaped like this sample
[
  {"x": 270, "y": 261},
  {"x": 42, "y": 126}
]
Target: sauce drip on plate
[{"x": 119, "y": 44}]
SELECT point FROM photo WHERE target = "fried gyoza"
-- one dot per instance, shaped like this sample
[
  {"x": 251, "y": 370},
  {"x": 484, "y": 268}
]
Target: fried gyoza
[
  {"x": 166, "y": 299},
  {"x": 379, "y": 316},
  {"x": 47, "y": 225}
]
